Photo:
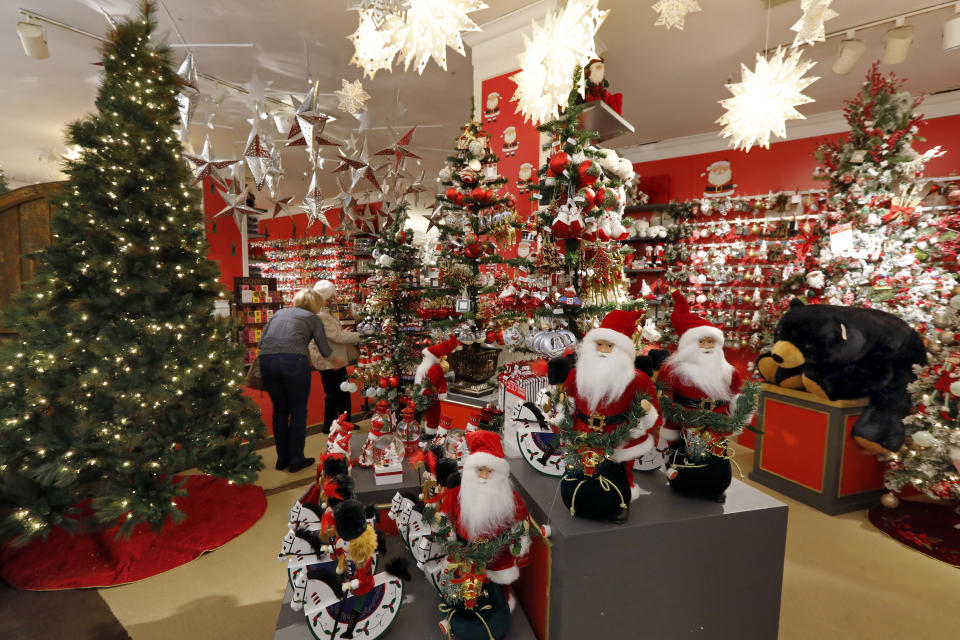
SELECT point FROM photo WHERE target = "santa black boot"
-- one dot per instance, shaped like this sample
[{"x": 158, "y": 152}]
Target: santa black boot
[{"x": 351, "y": 625}]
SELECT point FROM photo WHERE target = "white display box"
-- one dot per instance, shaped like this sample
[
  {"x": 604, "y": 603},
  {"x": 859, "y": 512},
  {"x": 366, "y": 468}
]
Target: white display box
[{"x": 392, "y": 474}]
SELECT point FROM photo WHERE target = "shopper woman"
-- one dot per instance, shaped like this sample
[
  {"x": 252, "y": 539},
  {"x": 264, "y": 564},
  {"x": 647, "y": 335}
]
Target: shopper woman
[
  {"x": 336, "y": 400},
  {"x": 285, "y": 367}
]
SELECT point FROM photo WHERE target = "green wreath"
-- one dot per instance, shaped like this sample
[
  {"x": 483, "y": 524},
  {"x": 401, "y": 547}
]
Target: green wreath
[
  {"x": 725, "y": 424},
  {"x": 574, "y": 440}
]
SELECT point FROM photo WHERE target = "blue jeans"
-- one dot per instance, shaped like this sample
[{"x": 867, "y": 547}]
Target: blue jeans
[{"x": 286, "y": 377}]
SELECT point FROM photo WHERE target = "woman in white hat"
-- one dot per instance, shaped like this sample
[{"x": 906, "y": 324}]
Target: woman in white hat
[{"x": 333, "y": 369}]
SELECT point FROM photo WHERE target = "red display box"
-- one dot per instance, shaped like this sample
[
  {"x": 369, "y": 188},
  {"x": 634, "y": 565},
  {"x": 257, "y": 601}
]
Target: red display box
[{"x": 807, "y": 453}]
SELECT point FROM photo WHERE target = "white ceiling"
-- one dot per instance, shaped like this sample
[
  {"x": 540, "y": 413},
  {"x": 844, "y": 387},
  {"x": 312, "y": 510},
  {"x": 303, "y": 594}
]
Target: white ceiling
[{"x": 671, "y": 80}]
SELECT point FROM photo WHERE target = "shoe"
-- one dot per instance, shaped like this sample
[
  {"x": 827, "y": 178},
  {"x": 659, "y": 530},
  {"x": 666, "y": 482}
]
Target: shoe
[
  {"x": 722, "y": 498},
  {"x": 621, "y": 516},
  {"x": 281, "y": 465},
  {"x": 301, "y": 464}
]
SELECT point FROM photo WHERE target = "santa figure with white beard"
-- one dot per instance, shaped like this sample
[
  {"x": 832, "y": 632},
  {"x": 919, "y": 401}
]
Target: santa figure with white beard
[
  {"x": 431, "y": 370},
  {"x": 612, "y": 407},
  {"x": 485, "y": 510},
  {"x": 697, "y": 377}
]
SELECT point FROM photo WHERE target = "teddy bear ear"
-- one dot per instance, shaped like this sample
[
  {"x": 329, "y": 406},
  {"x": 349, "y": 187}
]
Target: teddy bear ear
[
  {"x": 796, "y": 302},
  {"x": 843, "y": 332}
]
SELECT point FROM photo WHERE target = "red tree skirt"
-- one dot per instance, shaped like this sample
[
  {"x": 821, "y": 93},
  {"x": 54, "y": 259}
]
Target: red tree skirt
[
  {"x": 217, "y": 512},
  {"x": 928, "y": 528}
]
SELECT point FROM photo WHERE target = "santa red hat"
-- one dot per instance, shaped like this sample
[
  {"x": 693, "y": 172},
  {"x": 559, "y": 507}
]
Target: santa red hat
[
  {"x": 442, "y": 349},
  {"x": 617, "y": 327},
  {"x": 486, "y": 451},
  {"x": 689, "y": 326}
]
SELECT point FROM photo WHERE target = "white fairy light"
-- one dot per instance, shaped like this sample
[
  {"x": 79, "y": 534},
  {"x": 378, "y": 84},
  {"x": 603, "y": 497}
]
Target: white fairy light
[
  {"x": 563, "y": 41},
  {"x": 810, "y": 27},
  {"x": 433, "y": 25},
  {"x": 673, "y": 12},
  {"x": 765, "y": 99}
]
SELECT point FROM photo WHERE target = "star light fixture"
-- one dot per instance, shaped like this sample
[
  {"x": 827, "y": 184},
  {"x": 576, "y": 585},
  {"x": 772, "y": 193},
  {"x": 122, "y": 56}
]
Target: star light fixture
[
  {"x": 765, "y": 99},
  {"x": 375, "y": 42},
  {"x": 810, "y": 27},
  {"x": 563, "y": 41},
  {"x": 433, "y": 25},
  {"x": 673, "y": 12}
]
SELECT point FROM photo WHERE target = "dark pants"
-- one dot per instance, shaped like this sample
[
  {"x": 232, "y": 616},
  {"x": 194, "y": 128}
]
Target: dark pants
[
  {"x": 286, "y": 377},
  {"x": 335, "y": 401}
]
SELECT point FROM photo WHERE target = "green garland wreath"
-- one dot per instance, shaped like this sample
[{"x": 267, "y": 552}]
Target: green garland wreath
[
  {"x": 424, "y": 395},
  {"x": 573, "y": 440},
  {"x": 483, "y": 553},
  {"x": 725, "y": 424}
]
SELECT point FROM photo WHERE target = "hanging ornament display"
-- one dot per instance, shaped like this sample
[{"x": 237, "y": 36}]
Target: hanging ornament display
[
  {"x": 430, "y": 26},
  {"x": 352, "y": 97},
  {"x": 765, "y": 99},
  {"x": 810, "y": 27},
  {"x": 374, "y": 42},
  {"x": 256, "y": 154},
  {"x": 673, "y": 12},
  {"x": 204, "y": 165},
  {"x": 564, "y": 41}
]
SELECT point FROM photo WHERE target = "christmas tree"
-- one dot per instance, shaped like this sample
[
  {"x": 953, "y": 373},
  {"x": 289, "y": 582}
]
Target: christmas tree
[
  {"x": 121, "y": 376},
  {"x": 579, "y": 222},
  {"x": 3, "y": 182}
]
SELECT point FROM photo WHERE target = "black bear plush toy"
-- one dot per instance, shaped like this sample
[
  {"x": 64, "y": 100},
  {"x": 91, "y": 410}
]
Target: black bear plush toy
[{"x": 842, "y": 353}]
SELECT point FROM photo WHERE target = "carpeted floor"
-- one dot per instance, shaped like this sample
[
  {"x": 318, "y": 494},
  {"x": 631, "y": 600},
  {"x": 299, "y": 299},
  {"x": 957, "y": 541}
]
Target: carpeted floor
[{"x": 842, "y": 579}]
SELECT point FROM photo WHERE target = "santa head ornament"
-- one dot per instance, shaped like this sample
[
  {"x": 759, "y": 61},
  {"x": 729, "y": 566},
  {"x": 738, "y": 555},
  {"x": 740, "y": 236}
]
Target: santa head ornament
[
  {"x": 617, "y": 327},
  {"x": 690, "y": 327},
  {"x": 486, "y": 451}
]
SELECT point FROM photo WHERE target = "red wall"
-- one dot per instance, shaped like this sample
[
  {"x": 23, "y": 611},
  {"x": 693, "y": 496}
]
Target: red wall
[
  {"x": 223, "y": 236},
  {"x": 787, "y": 165}
]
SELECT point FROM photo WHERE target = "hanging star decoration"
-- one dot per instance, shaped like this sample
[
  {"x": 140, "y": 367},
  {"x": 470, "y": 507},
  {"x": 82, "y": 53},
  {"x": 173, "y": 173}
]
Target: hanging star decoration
[
  {"x": 765, "y": 99},
  {"x": 275, "y": 173},
  {"x": 284, "y": 206},
  {"x": 345, "y": 197},
  {"x": 565, "y": 40},
  {"x": 433, "y": 25},
  {"x": 374, "y": 42},
  {"x": 435, "y": 218},
  {"x": 810, "y": 27},
  {"x": 308, "y": 124},
  {"x": 416, "y": 188},
  {"x": 189, "y": 96},
  {"x": 399, "y": 150},
  {"x": 352, "y": 97},
  {"x": 360, "y": 167},
  {"x": 235, "y": 197},
  {"x": 205, "y": 165},
  {"x": 314, "y": 205},
  {"x": 673, "y": 12},
  {"x": 257, "y": 154},
  {"x": 256, "y": 91},
  {"x": 380, "y": 10}
]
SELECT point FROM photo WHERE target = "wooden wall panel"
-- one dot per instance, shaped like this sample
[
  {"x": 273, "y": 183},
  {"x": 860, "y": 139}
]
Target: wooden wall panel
[
  {"x": 9, "y": 254},
  {"x": 34, "y": 234}
]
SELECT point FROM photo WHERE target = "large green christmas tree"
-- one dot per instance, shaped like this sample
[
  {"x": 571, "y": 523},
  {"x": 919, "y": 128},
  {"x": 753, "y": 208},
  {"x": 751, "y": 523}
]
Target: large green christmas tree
[{"x": 121, "y": 376}]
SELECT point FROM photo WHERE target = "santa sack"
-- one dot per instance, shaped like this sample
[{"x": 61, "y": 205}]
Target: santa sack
[
  {"x": 703, "y": 478},
  {"x": 490, "y": 618},
  {"x": 598, "y": 497}
]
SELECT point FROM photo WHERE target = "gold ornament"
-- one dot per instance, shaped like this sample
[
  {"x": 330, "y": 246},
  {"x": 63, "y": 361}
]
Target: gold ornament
[{"x": 948, "y": 337}]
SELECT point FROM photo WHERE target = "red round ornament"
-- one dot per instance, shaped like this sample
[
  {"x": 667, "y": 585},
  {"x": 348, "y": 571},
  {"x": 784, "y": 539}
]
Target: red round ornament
[
  {"x": 383, "y": 383},
  {"x": 452, "y": 194},
  {"x": 400, "y": 237},
  {"x": 479, "y": 195},
  {"x": 588, "y": 172},
  {"x": 471, "y": 239},
  {"x": 559, "y": 162},
  {"x": 394, "y": 381},
  {"x": 588, "y": 197}
]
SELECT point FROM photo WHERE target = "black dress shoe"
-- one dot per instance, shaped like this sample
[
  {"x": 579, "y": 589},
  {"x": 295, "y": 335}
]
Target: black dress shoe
[
  {"x": 281, "y": 465},
  {"x": 621, "y": 516},
  {"x": 301, "y": 464}
]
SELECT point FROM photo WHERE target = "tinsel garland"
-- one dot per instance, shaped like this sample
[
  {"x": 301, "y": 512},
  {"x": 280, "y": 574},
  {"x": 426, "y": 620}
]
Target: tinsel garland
[
  {"x": 573, "y": 440},
  {"x": 722, "y": 423}
]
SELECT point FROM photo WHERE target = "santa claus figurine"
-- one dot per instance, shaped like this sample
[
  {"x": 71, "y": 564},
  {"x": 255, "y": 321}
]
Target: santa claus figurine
[
  {"x": 431, "y": 371},
  {"x": 381, "y": 423},
  {"x": 484, "y": 509},
  {"x": 339, "y": 439},
  {"x": 613, "y": 406},
  {"x": 697, "y": 377}
]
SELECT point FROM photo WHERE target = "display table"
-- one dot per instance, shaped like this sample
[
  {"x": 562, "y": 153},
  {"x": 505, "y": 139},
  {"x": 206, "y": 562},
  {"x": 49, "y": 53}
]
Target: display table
[
  {"x": 807, "y": 453},
  {"x": 419, "y": 617},
  {"x": 367, "y": 489},
  {"x": 678, "y": 568}
]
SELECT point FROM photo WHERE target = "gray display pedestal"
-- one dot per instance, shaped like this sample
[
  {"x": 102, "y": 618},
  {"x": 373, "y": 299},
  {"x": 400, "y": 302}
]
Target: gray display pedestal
[
  {"x": 368, "y": 491},
  {"x": 418, "y": 619},
  {"x": 678, "y": 568}
]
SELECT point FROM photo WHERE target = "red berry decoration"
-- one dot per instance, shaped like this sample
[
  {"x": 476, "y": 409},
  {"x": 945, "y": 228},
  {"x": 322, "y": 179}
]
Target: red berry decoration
[
  {"x": 587, "y": 197},
  {"x": 452, "y": 194},
  {"x": 559, "y": 162},
  {"x": 588, "y": 172}
]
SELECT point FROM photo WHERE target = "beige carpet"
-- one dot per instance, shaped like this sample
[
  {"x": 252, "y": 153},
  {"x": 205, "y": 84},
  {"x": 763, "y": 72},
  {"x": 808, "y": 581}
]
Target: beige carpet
[{"x": 842, "y": 579}]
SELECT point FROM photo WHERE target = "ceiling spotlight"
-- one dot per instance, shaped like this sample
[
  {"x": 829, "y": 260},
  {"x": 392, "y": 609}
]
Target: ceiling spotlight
[
  {"x": 848, "y": 53},
  {"x": 33, "y": 39},
  {"x": 951, "y": 32},
  {"x": 898, "y": 43}
]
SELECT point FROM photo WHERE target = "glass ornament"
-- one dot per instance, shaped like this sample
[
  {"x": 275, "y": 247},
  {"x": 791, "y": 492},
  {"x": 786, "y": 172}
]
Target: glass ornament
[
  {"x": 388, "y": 451},
  {"x": 455, "y": 445}
]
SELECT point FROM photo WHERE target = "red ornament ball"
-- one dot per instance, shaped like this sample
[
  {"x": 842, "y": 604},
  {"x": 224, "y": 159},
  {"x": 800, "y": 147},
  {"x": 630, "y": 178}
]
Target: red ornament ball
[
  {"x": 452, "y": 194},
  {"x": 559, "y": 162},
  {"x": 471, "y": 239},
  {"x": 400, "y": 237},
  {"x": 588, "y": 197},
  {"x": 588, "y": 172},
  {"x": 394, "y": 381},
  {"x": 383, "y": 383},
  {"x": 479, "y": 195}
]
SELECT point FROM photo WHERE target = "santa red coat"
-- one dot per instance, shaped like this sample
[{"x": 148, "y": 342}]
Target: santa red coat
[
  {"x": 639, "y": 441},
  {"x": 676, "y": 386},
  {"x": 364, "y": 578},
  {"x": 505, "y": 568},
  {"x": 432, "y": 415}
]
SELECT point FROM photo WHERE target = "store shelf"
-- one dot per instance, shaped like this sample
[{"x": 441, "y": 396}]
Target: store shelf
[{"x": 654, "y": 270}]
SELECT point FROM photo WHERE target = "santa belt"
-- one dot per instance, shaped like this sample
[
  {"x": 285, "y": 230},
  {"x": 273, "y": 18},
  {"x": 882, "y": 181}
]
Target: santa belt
[
  {"x": 597, "y": 421},
  {"x": 699, "y": 403}
]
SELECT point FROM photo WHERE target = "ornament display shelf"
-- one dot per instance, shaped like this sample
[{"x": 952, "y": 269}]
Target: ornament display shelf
[
  {"x": 245, "y": 314},
  {"x": 419, "y": 616},
  {"x": 597, "y": 116},
  {"x": 807, "y": 453},
  {"x": 678, "y": 568}
]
